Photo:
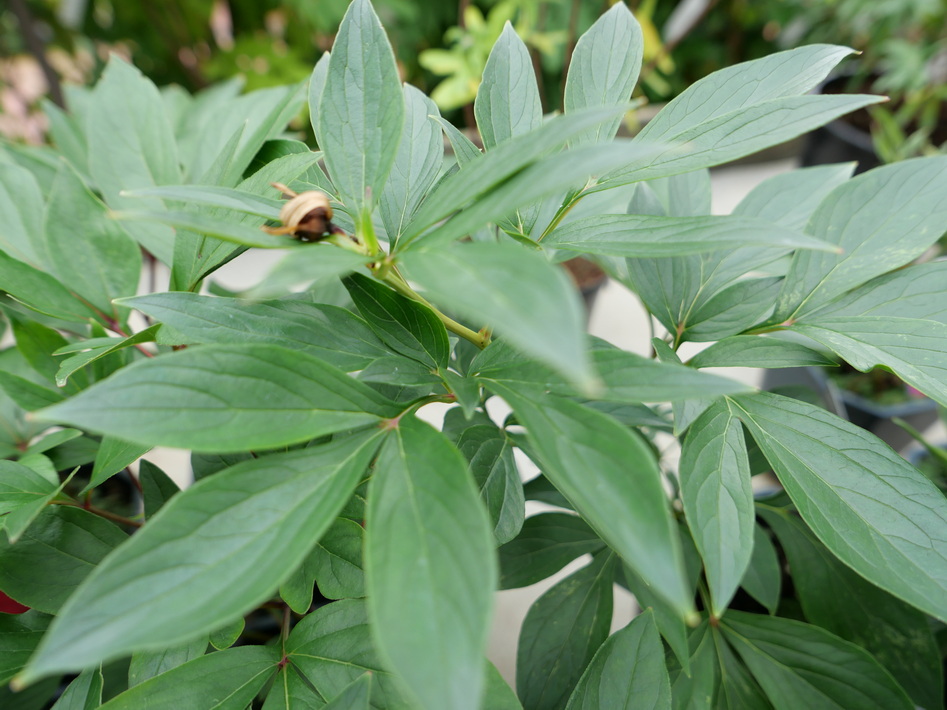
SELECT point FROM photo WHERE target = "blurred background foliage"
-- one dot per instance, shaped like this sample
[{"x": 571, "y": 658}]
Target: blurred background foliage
[{"x": 442, "y": 47}]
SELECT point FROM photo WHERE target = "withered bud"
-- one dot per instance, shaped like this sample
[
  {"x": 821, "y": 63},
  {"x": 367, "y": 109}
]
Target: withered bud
[{"x": 307, "y": 216}]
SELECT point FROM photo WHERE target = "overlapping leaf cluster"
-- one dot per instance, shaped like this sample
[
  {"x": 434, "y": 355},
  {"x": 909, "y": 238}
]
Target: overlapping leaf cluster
[{"x": 322, "y": 490}]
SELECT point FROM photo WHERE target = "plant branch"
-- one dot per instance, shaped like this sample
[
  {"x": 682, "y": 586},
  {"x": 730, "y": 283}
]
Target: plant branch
[{"x": 120, "y": 519}]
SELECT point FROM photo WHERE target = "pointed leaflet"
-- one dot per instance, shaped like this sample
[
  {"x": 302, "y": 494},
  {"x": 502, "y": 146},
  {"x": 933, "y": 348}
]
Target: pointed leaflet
[
  {"x": 629, "y": 235},
  {"x": 128, "y": 112},
  {"x": 406, "y": 326},
  {"x": 718, "y": 500},
  {"x": 697, "y": 688},
  {"x": 25, "y": 493},
  {"x": 41, "y": 292},
  {"x": 627, "y": 672},
  {"x": 354, "y": 697},
  {"x": 757, "y": 351},
  {"x": 207, "y": 556},
  {"x": 112, "y": 456},
  {"x": 611, "y": 477},
  {"x": 71, "y": 365},
  {"x": 803, "y": 666},
  {"x": 361, "y": 109},
  {"x": 430, "y": 567},
  {"x": 226, "y": 680},
  {"x": 490, "y": 455},
  {"x": 882, "y": 220},
  {"x": 872, "y": 509},
  {"x": 148, "y": 664},
  {"x": 19, "y": 635},
  {"x": 21, "y": 204},
  {"x": 604, "y": 68},
  {"x": 562, "y": 632},
  {"x": 508, "y": 98},
  {"x": 741, "y": 110},
  {"x": 58, "y": 551},
  {"x": 763, "y": 578},
  {"x": 225, "y": 398},
  {"x": 83, "y": 693},
  {"x": 518, "y": 293},
  {"x": 838, "y": 600},
  {"x": 331, "y": 647},
  {"x": 317, "y": 84},
  {"x": 331, "y": 333},
  {"x": 546, "y": 544},
  {"x": 417, "y": 163}
]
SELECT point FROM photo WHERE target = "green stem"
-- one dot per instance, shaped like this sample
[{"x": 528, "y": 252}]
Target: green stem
[
  {"x": 397, "y": 282},
  {"x": 101, "y": 513},
  {"x": 365, "y": 231},
  {"x": 561, "y": 214}
]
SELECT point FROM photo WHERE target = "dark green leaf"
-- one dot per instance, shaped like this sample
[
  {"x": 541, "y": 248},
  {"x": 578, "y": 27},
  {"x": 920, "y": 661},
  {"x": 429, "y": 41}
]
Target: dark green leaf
[
  {"x": 611, "y": 477},
  {"x": 336, "y": 562},
  {"x": 41, "y": 292},
  {"x": 83, "y": 693},
  {"x": 527, "y": 300},
  {"x": 881, "y": 219},
  {"x": 316, "y": 264},
  {"x": 156, "y": 487},
  {"x": 561, "y": 633},
  {"x": 354, "y": 697},
  {"x": 843, "y": 603},
  {"x": 490, "y": 456},
  {"x": 430, "y": 569},
  {"x": 71, "y": 364},
  {"x": 227, "y": 635},
  {"x": 226, "y": 398},
  {"x": 21, "y": 203},
  {"x": 732, "y": 310},
  {"x": 697, "y": 689},
  {"x": 332, "y": 647},
  {"x": 627, "y": 672},
  {"x": 226, "y": 680},
  {"x": 630, "y": 235},
  {"x": 763, "y": 578},
  {"x": 148, "y": 664},
  {"x": 140, "y": 599},
  {"x": 54, "y": 555},
  {"x": 547, "y": 543},
  {"x": 872, "y": 509},
  {"x": 406, "y": 326},
  {"x": 756, "y": 351},
  {"x": 24, "y": 494},
  {"x": 604, "y": 68},
  {"x": 361, "y": 108},
  {"x": 718, "y": 500},
  {"x": 803, "y": 666},
  {"x": 329, "y": 332},
  {"x": 113, "y": 456},
  {"x": 19, "y": 636},
  {"x": 27, "y": 395}
]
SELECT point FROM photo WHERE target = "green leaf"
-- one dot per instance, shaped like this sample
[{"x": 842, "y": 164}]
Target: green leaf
[
  {"x": 763, "y": 578},
  {"x": 226, "y": 398},
  {"x": 519, "y": 294},
  {"x": 336, "y": 561},
  {"x": 913, "y": 349},
  {"x": 406, "y": 326},
  {"x": 464, "y": 149},
  {"x": 499, "y": 695},
  {"x": 730, "y": 311},
  {"x": 318, "y": 263},
  {"x": 206, "y": 558},
  {"x": 211, "y": 226},
  {"x": 226, "y": 680},
  {"x": 417, "y": 163},
  {"x": 803, "y": 666},
  {"x": 227, "y": 635},
  {"x": 872, "y": 509},
  {"x": 83, "y": 693},
  {"x": 291, "y": 692},
  {"x": 738, "y": 690},
  {"x": 627, "y": 672},
  {"x": 742, "y": 109},
  {"x": 88, "y": 252},
  {"x": 604, "y": 68},
  {"x": 114, "y": 455},
  {"x": 156, "y": 487},
  {"x": 838, "y": 600},
  {"x": 213, "y": 196},
  {"x": 332, "y": 647},
  {"x": 561, "y": 633},
  {"x": 71, "y": 365},
  {"x": 361, "y": 109},
  {"x": 148, "y": 664},
  {"x": 790, "y": 198},
  {"x": 28, "y": 395},
  {"x": 489, "y": 454},
  {"x": 882, "y": 219},
  {"x": 24, "y": 494},
  {"x": 19, "y": 636},
  {"x": 630, "y": 235},
  {"x": 508, "y": 98},
  {"x": 757, "y": 351},
  {"x": 354, "y": 697},
  {"x": 127, "y": 111},
  {"x": 333, "y": 334},
  {"x": 623, "y": 500},
  {"x": 546, "y": 544},
  {"x": 21, "y": 203},
  {"x": 54, "y": 555},
  {"x": 430, "y": 569},
  {"x": 696, "y": 689},
  {"x": 41, "y": 292},
  {"x": 718, "y": 500}
]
